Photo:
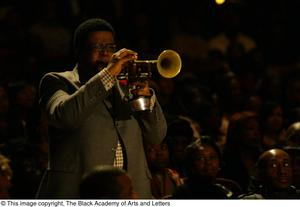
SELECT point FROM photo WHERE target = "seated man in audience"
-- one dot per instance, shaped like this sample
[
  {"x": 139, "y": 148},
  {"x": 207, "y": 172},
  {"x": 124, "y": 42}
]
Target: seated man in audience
[
  {"x": 106, "y": 182},
  {"x": 273, "y": 177}
]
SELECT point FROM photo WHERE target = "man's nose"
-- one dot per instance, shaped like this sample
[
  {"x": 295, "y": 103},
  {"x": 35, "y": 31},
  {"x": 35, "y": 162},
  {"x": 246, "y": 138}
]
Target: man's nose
[{"x": 283, "y": 170}]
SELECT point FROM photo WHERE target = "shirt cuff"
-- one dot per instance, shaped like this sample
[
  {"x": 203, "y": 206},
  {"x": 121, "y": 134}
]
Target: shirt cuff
[
  {"x": 107, "y": 79},
  {"x": 152, "y": 99}
]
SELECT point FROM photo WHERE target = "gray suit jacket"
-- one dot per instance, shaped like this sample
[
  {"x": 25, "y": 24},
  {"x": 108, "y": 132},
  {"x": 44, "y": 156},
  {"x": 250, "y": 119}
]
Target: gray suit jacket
[{"x": 83, "y": 127}]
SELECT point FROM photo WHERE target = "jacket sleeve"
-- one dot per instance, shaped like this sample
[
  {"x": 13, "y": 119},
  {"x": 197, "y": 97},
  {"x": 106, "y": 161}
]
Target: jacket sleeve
[
  {"x": 153, "y": 124},
  {"x": 65, "y": 108}
]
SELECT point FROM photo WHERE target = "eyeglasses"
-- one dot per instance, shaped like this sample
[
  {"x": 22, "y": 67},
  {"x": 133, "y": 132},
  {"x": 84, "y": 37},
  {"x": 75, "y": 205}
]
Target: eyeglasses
[{"x": 110, "y": 47}]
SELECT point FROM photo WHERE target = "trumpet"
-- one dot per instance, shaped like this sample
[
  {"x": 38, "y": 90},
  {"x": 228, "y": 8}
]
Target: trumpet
[{"x": 168, "y": 65}]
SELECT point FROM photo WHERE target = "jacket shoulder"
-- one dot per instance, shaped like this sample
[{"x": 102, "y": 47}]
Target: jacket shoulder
[{"x": 68, "y": 75}]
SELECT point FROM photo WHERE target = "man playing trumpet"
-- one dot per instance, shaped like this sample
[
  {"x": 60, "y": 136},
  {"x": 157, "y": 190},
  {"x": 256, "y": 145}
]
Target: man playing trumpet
[{"x": 90, "y": 120}]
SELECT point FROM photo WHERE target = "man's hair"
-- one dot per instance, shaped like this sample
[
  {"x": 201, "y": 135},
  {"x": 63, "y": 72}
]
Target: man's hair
[
  {"x": 101, "y": 182},
  {"x": 85, "y": 28}
]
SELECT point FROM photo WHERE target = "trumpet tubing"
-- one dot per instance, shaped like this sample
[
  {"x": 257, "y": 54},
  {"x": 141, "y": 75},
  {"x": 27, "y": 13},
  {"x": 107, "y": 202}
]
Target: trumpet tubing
[{"x": 168, "y": 65}]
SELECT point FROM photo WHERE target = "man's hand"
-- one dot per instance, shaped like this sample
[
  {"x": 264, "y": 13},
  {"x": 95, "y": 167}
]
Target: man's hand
[
  {"x": 119, "y": 59},
  {"x": 140, "y": 88}
]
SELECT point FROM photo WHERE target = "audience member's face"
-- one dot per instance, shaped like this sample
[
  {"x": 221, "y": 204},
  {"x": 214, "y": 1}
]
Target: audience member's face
[
  {"x": 275, "y": 120},
  {"x": 178, "y": 146},
  {"x": 278, "y": 170},
  {"x": 207, "y": 162},
  {"x": 98, "y": 51},
  {"x": 125, "y": 185},
  {"x": 251, "y": 134},
  {"x": 157, "y": 156}
]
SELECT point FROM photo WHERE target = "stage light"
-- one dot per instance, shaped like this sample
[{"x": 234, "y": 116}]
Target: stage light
[{"x": 219, "y": 2}]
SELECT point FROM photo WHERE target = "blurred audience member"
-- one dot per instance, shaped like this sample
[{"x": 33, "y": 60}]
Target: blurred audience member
[
  {"x": 189, "y": 41},
  {"x": 230, "y": 94},
  {"x": 293, "y": 135},
  {"x": 242, "y": 148},
  {"x": 291, "y": 97},
  {"x": 164, "y": 179},
  {"x": 231, "y": 31},
  {"x": 51, "y": 38},
  {"x": 106, "y": 182},
  {"x": 196, "y": 102},
  {"x": 25, "y": 141},
  {"x": 179, "y": 136},
  {"x": 165, "y": 91},
  {"x": 271, "y": 121},
  {"x": 292, "y": 116},
  {"x": 271, "y": 85},
  {"x": 6, "y": 174},
  {"x": 24, "y": 115}
]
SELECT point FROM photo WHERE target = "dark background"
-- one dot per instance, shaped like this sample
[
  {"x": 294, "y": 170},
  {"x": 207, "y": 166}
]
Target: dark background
[{"x": 32, "y": 30}]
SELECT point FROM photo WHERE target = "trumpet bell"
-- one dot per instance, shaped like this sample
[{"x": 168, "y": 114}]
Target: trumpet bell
[{"x": 169, "y": 63}]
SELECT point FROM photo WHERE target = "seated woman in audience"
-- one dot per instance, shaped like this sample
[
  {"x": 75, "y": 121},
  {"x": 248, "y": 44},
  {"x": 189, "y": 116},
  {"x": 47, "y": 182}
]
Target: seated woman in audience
[
  {"x": 202, "y": 161},
  {"x": 164, "y": 179}
]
